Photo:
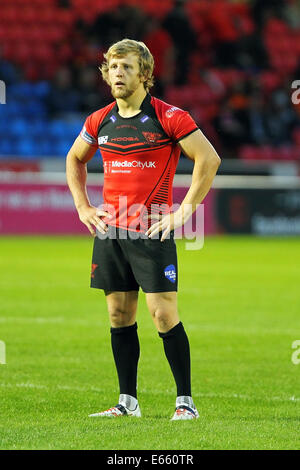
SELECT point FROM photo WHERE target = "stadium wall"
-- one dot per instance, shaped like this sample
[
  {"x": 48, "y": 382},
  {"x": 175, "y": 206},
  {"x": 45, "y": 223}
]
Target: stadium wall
[{"x": 41, "y": 203}]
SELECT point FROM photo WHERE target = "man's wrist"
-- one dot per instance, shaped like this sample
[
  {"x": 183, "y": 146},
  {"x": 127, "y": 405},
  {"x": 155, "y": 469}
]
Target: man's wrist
[
  {"x": 81, "y": 206},
  {"x": 185, "y": 211}
]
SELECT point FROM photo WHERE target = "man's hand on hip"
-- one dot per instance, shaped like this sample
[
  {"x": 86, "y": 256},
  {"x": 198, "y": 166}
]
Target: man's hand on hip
[
  {"x": 92, "y": 217},
  {"x": 169, "y": 222}
]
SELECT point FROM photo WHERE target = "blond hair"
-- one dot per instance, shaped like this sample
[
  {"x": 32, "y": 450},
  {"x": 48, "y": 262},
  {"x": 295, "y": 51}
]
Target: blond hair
[{"x": 124, "y": 47}]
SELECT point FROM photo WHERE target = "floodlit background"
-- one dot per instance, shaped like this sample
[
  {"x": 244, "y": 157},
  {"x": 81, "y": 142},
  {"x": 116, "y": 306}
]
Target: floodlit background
[{"x": 235, "y": 66}]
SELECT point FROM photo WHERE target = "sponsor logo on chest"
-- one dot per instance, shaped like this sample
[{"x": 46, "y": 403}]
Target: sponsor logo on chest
[{"x": 117, "y": 166}]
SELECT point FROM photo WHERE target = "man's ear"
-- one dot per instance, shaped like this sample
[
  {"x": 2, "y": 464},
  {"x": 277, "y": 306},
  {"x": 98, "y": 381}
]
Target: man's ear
[{"x": 143, "y": 77}]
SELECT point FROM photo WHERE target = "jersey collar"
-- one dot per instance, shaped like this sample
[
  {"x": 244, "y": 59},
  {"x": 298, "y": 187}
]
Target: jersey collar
[{"x": 146, "y": 107}]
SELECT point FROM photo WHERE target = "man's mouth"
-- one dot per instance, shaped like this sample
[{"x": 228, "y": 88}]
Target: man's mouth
[{"x": 119, "y": 84}]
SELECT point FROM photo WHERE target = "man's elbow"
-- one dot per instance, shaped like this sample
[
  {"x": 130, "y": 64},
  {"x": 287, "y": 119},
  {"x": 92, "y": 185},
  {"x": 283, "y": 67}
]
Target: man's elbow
[
  {"x": 217, "y": 160},
  {"x": 213, "y": 161},
  {"x": 72, "y": 156}
]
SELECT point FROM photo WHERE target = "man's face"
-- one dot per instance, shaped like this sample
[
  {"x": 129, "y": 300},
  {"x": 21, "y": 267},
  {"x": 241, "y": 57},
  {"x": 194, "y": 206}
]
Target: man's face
[{"x": 124, "y": 75}]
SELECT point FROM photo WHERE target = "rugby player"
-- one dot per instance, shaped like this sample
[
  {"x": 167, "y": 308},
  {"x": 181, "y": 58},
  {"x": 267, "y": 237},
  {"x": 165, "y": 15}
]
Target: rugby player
[{"x": 140, "y": 138}]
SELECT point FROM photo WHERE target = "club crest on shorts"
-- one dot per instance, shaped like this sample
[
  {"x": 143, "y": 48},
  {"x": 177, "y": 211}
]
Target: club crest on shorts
[{"x": 170, "y": 273}]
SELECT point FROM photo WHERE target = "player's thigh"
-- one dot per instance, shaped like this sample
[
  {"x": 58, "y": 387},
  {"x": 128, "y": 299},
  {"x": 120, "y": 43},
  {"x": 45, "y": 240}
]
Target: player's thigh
[
  {"x": 111, "y": 270},
  {"x": 163, "y": 309},
  {"x": 153, "y": 263},
  {"x": 122, "y": 307}
]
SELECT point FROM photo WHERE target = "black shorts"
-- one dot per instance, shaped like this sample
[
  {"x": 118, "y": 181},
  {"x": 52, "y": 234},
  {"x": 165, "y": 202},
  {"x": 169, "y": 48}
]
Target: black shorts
[{"x": 121, "y": 263}]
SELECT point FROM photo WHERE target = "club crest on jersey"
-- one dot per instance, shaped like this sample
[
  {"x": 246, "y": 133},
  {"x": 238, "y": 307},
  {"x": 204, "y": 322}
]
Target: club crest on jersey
[
  {"x": 170, "y": 273},
  {"x": 151, "y": 137}
]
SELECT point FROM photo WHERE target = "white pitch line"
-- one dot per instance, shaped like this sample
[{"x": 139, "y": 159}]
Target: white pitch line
[
  {"x": 31, "y": 320},
  {"x": 242, "y": 331},
  {"x": 228, "y": 396},
  {"x": 189, "y": 326},
  {"x": 51, "y": 320}
]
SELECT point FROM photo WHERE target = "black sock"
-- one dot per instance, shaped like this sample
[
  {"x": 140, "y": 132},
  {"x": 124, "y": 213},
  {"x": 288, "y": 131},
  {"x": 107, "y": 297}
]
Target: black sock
[
  {"x": 126, "y": 350},
  {"x": 177, "y": 350}
]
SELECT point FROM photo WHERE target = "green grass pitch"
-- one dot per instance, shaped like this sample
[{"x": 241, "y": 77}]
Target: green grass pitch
[{"x": 239, "y": 300}]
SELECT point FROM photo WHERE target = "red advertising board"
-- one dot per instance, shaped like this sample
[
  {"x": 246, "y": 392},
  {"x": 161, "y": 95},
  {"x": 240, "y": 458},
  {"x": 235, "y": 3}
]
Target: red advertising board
[{"x": 48, "y": 208}]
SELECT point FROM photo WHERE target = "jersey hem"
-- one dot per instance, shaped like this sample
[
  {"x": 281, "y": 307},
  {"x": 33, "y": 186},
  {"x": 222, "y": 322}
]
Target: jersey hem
[
  {"x": 126, "y": 228},
  {"x": 117, "y": 289}
]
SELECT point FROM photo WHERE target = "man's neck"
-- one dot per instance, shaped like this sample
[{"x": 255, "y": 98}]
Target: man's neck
[{"x": 131, "y": 106}]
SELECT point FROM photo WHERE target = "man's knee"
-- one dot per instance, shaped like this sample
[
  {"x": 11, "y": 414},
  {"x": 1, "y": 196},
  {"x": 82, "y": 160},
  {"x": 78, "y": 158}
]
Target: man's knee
[
  {"x": 163, "y": 309},
  {"x": 121, "y": 308},
  {"x": 120, "y": 317},
  {"x": 163, "y": 318}
]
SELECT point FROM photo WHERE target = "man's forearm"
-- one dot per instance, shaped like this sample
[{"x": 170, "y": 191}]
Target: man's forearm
[
  {"x": 76, "y": 177},
  {"x": 202, "y": 178}
]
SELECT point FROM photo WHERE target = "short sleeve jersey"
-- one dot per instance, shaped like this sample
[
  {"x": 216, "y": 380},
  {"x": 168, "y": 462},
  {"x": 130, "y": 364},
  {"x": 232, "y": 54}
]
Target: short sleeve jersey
[{"x": 140, "y": 155}]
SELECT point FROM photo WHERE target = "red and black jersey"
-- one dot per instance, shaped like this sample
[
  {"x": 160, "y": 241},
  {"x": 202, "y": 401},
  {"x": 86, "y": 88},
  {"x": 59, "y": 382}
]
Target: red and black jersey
[{"x": 140, "y": 155}]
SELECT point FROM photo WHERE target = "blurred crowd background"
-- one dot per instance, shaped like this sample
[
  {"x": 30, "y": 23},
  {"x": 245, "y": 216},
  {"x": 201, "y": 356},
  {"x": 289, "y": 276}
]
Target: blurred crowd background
[{"x": 230, "y": 63}]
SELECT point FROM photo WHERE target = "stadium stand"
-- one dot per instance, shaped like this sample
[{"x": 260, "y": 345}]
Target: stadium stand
[{"x": 230, "y": 63}]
